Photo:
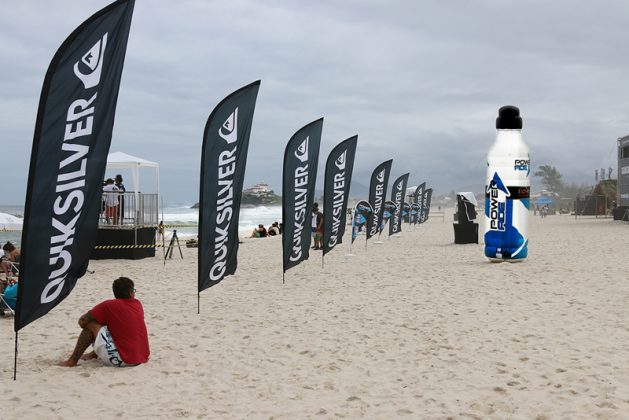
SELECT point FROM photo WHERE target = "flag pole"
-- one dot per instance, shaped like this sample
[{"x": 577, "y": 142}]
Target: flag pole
[
  {"x": 15, "y": 359},
  {"x": 198, "y": 303}
]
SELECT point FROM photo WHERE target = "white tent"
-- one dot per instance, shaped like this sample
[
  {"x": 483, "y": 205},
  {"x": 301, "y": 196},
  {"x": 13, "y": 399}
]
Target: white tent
[
  {"x": 10, "y": 222},
  {"x": 469, "y": 196},
  {"x": 120, "y": 160}
]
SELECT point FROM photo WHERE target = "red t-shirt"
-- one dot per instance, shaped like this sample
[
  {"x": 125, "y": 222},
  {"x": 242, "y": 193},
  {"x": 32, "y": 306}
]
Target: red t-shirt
[{"x": 125, "y": 320}]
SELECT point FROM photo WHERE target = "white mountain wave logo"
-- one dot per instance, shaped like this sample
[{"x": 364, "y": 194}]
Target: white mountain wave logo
[
  {"x": 302, "y": 150},
  {"x": 229, "y": 129},
  {"x": 92, "y": 63},
  {"x": 340, "y": 161}
]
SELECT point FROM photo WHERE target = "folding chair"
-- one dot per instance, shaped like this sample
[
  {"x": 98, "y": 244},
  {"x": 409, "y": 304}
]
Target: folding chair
[
  {"x": 8, "y": 299},
  {"x": 11, "y": 293}
]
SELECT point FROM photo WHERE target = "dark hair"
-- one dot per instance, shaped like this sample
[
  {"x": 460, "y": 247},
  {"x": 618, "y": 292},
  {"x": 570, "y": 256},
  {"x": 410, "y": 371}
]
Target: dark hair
[
  {"x": 123, "y": 288},
  {"x": 109, "y": 181},
  {"x": 118, "y": 177},
  {"x": 8, "y": 247}
]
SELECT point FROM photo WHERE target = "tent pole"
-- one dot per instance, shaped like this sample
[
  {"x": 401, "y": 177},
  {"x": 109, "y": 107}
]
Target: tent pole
[{"x": 161, "y": 228}]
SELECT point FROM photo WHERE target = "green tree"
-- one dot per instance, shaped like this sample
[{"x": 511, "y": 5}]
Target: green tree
[{"x": 551, "y": 178}]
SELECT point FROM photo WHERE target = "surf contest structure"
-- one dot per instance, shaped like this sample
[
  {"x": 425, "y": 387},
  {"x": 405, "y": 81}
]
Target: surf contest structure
[
  {"x": 72, "y": 136},
  {"x": 223, "y": 161},
  {"x": 416, "y": 201},
  {"x": 338, "y": 178},
  {"x": 397, "y": 198},
  {"x": 377, "y": 196},
  {"x": 301, "y": 158},
  {"x": 507, "y": 190},
  {"x": 362, "y": 213}
]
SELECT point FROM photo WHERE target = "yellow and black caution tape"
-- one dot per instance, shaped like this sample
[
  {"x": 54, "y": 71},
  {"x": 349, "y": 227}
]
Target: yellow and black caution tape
[{"x": 128, "y": 246}]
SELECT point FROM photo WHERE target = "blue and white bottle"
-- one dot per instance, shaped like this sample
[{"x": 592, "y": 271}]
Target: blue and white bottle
[{"x": 507, "y": 190}]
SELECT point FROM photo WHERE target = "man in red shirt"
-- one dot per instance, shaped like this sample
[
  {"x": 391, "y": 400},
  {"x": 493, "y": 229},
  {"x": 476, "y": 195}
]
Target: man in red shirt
[{"x": 115, "y": 328}]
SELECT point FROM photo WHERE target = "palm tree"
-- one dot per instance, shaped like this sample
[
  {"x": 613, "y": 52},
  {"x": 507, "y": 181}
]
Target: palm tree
[{"x": 551, "y": 178}]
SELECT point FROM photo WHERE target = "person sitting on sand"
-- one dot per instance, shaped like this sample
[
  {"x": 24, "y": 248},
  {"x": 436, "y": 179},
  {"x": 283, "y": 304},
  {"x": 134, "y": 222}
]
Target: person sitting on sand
[
  {"x": 11, "y": 256},
  {"x": 274, "y": 229},
  {"x": 259, "y": 232},
  {"x": 115, "y": 328}
]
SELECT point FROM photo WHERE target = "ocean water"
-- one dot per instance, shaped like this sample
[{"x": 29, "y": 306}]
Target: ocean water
[
  {"x": 181, "y": 218},
  {"x": 185, "y": 220}
]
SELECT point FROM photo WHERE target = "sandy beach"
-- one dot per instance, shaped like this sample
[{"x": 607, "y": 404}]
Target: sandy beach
[{"x": 415, "y": 327}]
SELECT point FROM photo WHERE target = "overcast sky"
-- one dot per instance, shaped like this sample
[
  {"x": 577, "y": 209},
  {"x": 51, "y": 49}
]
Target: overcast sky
[{"x": 419, "y": 82}]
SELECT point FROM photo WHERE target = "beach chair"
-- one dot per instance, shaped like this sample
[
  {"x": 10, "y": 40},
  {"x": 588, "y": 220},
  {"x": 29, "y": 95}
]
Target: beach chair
[
  {"x": 4, "y": 306},
  {"x": 4, "y": 302},
  {"x": 9, "y": 294}
]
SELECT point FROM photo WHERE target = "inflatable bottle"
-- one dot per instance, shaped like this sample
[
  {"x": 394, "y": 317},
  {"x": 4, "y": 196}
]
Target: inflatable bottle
[{"x": 507, "y": 190}]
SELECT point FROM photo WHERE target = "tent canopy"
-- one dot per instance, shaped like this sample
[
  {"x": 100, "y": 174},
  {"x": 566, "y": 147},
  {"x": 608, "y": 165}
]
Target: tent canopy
[
  {"x": 543, "y": 201},
  {"x": 469, "y": 196},
  {"x": 120, "y": 160},
  {"x": 10, "y": 222}
]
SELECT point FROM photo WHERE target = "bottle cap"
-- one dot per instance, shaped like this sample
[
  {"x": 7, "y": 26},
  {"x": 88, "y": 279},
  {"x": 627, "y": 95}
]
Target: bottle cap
[{"x": 509, "y": 118}]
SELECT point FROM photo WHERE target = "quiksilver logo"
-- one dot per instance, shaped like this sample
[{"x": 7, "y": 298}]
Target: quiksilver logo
[
  {"x": 340, "y": 161},
  {"x": 229, "y": 129},
  {"x": 380, "y": 176},
  {"x": 338, "y": 201},
  {"x": 70, "y": 183},
  {"x": 92, "y": 64},
  {"x": 302, "y": 150}
]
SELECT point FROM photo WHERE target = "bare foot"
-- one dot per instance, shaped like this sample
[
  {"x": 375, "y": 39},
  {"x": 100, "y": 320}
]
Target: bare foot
[
  {"x": 89, "y": 356},
  {"x": 67, "y": 363}
]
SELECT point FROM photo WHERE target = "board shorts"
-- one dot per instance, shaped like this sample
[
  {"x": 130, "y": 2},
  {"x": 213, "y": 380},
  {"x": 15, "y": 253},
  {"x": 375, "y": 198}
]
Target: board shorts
[
  {"x": 111, "y": 211},
  {"x": 106, "y": 349}
]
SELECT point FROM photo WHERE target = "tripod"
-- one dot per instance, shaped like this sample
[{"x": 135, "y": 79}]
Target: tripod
[{"x": 171, "y": 246}]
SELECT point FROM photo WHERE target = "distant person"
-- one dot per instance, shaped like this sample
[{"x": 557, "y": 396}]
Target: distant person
[
  {"x": 274, "y": 229},
  {"x": 115, "y": 328},
  {"x": 121, "y": 191},
  {"x": 110, "y": 192},
  {"x": 259, "y": 232},
  {"x": 317, "y": 227},
  {"x": 160, "y": 230}
]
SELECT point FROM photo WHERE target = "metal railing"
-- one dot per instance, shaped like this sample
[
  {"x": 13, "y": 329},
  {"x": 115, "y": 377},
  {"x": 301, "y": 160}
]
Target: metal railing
[{"x": 131, "y": 210}]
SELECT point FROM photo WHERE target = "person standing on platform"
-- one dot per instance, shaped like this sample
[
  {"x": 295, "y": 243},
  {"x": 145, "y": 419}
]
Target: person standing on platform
[
  {"x": 111, "y": 201},
  {"x": 121, "y": 191}
]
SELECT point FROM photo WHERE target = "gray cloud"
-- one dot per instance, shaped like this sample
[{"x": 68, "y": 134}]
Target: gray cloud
[{"x": 419, "y": 82}]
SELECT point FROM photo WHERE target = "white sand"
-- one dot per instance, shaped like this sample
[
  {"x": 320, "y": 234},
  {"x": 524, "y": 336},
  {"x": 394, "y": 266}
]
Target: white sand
[{"x": 416, "y": 326}]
